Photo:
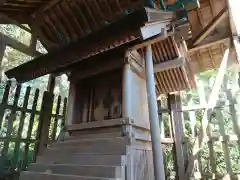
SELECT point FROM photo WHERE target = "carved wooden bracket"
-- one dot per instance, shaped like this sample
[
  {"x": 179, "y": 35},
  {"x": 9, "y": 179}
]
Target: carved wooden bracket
[{"x": 136, "y": 61}]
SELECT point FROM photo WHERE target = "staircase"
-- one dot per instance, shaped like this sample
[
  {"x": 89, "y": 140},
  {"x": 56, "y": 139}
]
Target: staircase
[{"x": 82, "y": 157}]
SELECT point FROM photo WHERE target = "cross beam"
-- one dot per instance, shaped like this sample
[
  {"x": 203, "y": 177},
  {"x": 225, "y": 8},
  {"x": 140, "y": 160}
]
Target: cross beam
[{"x": 169, "y": 64}]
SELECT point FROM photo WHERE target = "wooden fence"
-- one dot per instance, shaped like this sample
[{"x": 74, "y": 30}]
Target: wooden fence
[
  {"x": 218, "y": 158},
  {"x": 24, "y": 113},
  {"x": 219, "y": 155}
]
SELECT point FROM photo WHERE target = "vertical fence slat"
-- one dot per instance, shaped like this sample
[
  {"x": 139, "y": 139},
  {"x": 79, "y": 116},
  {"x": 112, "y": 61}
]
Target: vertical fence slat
[
  {"x": 20, "y": 128},
  {"x": 4, "y": 101},
  {"x": 233, "y": 111},
  {"x": 53, "y": 136},
  {"x": 165, "y": 160},
  {"x": 64, "y": 109},
  {"x": 193, "y": 120},
  {"x": 11, "y": 119},
  {"x": 63, "y": 130},
  {"x": 212, "y": 155},
  {"x": 225, "y": 147},
  {"x": 30, "y": 127},
  {"x": 45, "y": 116}
]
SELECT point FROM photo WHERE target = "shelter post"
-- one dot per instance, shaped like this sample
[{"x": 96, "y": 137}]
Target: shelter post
[{"x": 153, "y": 118}]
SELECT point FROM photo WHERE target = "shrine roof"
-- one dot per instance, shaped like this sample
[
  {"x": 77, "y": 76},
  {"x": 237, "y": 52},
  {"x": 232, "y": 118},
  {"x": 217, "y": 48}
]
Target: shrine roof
[{"x": 124, "y": 31}]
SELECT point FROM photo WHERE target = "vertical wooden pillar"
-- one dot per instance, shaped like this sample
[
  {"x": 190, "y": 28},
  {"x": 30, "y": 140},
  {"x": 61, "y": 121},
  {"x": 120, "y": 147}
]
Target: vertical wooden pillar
[
  {"x": 126, "y": 104},
  {"x": 159, "y": 171},
  {"x": 71, "y": 103},
  {"x": 178, "y": 133},
  {"x": 44, "y": 123},
  {"x": 2, "y": 51}
]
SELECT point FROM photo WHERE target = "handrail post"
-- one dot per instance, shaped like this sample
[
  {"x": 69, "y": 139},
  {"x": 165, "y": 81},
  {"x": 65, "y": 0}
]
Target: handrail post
[{"x": 44, "y": 123}]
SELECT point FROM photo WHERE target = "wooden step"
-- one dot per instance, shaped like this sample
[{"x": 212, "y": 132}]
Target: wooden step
[
  {"x": 91, "y": 146},
  {"x": 92, "y": 142},
  {"x": 44, "y": 176},
  {"x": 92, "y": 171},
  {"x": 82, "y": 159},
  {"x": 100, "y": 135},
  {"x": 103, "y": 150}
]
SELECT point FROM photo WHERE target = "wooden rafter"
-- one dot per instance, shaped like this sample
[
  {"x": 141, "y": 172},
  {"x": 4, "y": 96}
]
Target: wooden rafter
[
  {"x": 40, "y": 11},
  {"x": 48, "y": 44},
  {"x": 211, "y": 26}
]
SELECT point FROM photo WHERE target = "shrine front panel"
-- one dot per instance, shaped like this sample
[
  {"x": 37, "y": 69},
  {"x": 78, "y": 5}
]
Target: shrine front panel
[{"x": 100, "y": 97}]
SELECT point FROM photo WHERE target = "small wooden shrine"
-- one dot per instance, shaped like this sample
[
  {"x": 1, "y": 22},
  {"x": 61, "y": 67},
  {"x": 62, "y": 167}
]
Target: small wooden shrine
[{"x": 110, "y": 51}]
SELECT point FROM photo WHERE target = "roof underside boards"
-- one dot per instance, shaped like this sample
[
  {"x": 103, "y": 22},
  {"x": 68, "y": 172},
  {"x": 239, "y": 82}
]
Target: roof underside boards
[
  {"x": 172, "y": 79},
  {"x": 208, "y": 53},
  {"x": 60, "y": 22},
  {"x": 200, "y": 18}
]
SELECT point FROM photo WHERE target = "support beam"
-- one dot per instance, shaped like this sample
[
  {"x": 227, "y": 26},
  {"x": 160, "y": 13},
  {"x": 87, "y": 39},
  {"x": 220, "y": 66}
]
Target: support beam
[
  {"x": 211, "y": 26},
  {"x": 169, "y": 64},
  {"x": 159, "y": 171},
  {"x": 19, "y": 46},
  {"x": 4, "y": 19}
]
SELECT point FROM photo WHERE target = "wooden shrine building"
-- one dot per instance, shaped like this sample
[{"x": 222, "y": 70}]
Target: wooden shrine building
[{"x": 111, "y": 50}]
